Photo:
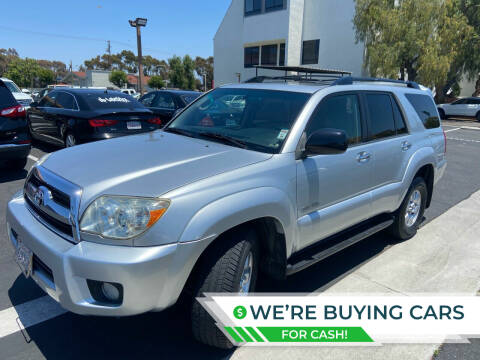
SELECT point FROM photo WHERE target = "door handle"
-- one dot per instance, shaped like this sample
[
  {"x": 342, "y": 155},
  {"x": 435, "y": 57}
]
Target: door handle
[
  {"x": 363, "y": 157},
  {"x": 406, "y": 146}
]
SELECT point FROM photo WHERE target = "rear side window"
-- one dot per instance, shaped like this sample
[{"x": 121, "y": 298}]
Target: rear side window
[
  {"x": 6, "y": 98},
  {"x": 399, "y": 120},
  {"x": 382, "y": 123},
  {"x": 338, "y": 112},
  {"x": 426, "y": 110},
  {"x": 164, "y": 100},
  {"x": 66, "y": 101}
]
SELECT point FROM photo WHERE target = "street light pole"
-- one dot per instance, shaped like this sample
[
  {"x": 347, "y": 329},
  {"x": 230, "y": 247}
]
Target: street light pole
[
  {"x": 204, "y": 82},
  {"x": 137, "y": 23}
]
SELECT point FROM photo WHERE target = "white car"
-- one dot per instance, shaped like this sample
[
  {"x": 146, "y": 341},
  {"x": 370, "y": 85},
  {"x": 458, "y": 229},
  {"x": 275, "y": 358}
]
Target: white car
[
  {"x": 130, "y": 92},
  {"x": 467, "y": 107},
  {"x": 22, "y": 98}
]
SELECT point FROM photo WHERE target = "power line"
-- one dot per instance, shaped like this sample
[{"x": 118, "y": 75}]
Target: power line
[{"x": 76, "y": 37}]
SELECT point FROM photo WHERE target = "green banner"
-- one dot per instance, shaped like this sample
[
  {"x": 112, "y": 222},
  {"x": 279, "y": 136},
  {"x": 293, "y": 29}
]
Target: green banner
[{"x": 299, "y": 334}]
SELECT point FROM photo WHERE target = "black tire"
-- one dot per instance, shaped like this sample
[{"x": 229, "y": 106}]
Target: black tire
[
  {"x": 221, "y": 271},
  {"x": 17, "y": 164},
  {"x": 399, "y": 229},
  {"x": 69, "y": 137},
  {"x": 478, "y": 116},
  {"x": 442, "y": 114}
]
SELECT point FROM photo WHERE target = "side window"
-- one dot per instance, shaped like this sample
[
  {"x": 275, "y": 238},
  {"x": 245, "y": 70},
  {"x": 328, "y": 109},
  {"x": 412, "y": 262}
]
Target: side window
[
  {"x": 382, "y": 123},
  {"x": 49, "y": 100},
  {"x": 147, "y": 99},
  {"x": 426, "y": 110},
  {"x": 251, "y": 56},
  {"x": 399, "y": 120},
  {"x": 65, "y": 101},
  {"x": 164, "y": 100},
  {"x": 338, "y": 112}
]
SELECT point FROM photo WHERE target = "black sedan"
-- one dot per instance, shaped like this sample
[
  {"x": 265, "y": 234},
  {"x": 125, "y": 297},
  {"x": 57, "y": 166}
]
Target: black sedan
[
  {"x": 14, "y": 138},
  {"x": 166, "y": 103},
  {"x": 72, "y": 116}
]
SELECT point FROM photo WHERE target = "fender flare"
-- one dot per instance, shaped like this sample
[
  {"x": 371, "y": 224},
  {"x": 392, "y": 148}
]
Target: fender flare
[{"x": 235, "y": 209}]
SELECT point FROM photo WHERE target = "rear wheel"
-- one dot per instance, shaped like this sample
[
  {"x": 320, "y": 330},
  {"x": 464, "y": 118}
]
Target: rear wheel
[
  {"x": 70, "y": 140},
  {"x": 410, "y": 214},
  {"x": 478, "y": 116},
  {"x": 231, "y": 266}
]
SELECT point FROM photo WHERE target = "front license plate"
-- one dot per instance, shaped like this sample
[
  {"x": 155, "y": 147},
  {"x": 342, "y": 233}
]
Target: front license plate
[
  {"x": 24, "y": 257},
  {"x": 134, "y": 125}
]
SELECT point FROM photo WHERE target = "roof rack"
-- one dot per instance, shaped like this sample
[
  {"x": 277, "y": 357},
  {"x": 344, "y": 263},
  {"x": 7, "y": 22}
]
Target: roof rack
[
  {"x": 349, "y": 80},
  {"x": 304, "y": 74}
]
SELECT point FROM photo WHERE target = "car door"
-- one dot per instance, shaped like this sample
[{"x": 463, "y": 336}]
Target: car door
[
  {"x": 458, "y": 108},
  {"x": 333, "y": 191},
  {"x": 39, "y": 116},
  {"x": 391, "y": 147},
  {"x": 62, "y": 114},
  {"x": 472, "y": 107}
]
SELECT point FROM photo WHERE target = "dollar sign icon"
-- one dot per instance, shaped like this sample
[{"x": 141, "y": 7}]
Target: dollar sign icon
[{"x": 240, "y": 312}]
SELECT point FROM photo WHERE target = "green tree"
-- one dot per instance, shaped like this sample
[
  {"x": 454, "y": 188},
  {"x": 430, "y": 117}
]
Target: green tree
[
  {"x": 177, "y": 72},
  {"x": 24, "y": 72},
  {"x": 6, "y": 57},
  {"x": 189, "y": 68},
  {"x": 156, "y": 82},
  {"x": 418, "y": 38},
  {"x": 118, "y": 78},
  {"x": 205, "y": 66}
]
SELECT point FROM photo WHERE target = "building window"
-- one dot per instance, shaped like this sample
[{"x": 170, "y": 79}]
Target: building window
[
  {"x": 253, "y": 6},
  {"x": 281, "y": 59},
  {"x": 310, "y": 52},
  {"x": 251, "y": 56},
  {"x": 269, "y": 54},
  {"x": 273, "y": 4}
]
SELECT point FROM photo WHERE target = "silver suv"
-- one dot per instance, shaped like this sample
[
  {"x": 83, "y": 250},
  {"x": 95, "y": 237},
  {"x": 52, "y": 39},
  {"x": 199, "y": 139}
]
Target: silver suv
[{"x": 224, "y": 194}]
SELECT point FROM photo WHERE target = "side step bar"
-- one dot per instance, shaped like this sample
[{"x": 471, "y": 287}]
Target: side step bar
[{"x": 350, "y": 238}]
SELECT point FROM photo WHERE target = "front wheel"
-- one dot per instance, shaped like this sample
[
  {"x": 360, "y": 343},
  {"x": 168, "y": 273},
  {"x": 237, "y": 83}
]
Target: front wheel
[
  {"x": 442, "y": 114},
  {"x": 410, "y": 214},
  {"x": 231, "y": 266}
]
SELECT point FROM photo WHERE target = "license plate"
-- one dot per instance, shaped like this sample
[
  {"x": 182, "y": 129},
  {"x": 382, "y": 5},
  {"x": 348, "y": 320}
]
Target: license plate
[
  {"x": 134, "y": 125},
  {"x": 24, "y": 258}
]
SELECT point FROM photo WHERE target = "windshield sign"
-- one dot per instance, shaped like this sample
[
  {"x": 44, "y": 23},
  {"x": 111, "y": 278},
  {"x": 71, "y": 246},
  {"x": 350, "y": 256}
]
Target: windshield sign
[
  {"x": 253, "y": 119},
  {"x": 114, "y": 100}
]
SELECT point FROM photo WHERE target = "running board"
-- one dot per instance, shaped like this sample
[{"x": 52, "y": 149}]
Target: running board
[{"x": 351, "y": 238}]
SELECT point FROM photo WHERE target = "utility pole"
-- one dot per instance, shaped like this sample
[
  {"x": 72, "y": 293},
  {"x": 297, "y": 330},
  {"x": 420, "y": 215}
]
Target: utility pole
[
  {"x": 109, "y": 52},
  {"x": 137, "y": 23},
  {"x": 204, "y": 82}
]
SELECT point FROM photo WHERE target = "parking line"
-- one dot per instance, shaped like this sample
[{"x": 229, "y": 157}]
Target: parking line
[
  {"x": 32, "y": 312},
  {"x": 470, "y": 128},
  {"x": 467, "y": 140},
  {"x": 452, "y": 130},
  {"x": 31, "y": 157}
]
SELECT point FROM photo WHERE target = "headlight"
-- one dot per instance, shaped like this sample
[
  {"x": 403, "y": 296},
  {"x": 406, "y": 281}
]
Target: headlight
[{"x": 121, "y": 217}]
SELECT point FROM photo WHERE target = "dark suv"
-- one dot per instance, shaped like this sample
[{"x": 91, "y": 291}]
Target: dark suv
[{"x": 14, "y": 138}]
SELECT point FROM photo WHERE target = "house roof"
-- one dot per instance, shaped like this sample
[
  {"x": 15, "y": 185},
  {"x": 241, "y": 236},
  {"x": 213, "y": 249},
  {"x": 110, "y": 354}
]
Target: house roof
[
  {"x": 133, "y": 79},
  {"x": 80, "y": 74}
]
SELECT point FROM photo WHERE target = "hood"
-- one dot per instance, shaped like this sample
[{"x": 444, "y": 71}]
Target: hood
[
  {"x": 21, "y": 96},
  {"x": 149, "y": 164}
]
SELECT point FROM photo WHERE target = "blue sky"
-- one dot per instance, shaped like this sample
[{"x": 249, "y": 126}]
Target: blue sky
[{"x": 78, "y": 30}]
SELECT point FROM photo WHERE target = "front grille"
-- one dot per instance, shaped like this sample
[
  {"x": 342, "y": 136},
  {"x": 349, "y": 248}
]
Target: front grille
[
  {"x": 53, "y": 201},
  {"x": 64, "y": 228},
  {"x": 58, "y": 196}
]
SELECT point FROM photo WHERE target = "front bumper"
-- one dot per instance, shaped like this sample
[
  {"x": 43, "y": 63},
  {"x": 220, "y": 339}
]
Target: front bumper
[
  {"x": 14, "y": 151},
  {"x": 152, "y": 277}
]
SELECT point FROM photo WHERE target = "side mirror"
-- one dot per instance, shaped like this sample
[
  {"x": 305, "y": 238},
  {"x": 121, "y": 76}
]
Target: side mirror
[{"x": 326, "y": 142}]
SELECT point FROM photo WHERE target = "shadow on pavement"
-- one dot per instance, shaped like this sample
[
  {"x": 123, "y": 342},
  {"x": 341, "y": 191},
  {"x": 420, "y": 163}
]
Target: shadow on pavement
[
  {"x": 8, "y": 174},
  {"x": 167, "y": 334}
]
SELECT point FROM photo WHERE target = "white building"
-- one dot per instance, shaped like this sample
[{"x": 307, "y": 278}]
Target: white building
[{"x": 313, "y": 33}]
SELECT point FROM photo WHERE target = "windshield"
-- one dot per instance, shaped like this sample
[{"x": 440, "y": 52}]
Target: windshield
[
  {"x": 12, "y": 87},
  {"x": 259, "y": 120}
]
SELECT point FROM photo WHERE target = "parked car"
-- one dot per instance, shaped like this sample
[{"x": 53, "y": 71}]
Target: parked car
[
  {"x": 167, "y": 103},
  {"x": 211, "y": 204},
  {"x": 467, "y": 107},
  {"x": 40, "y": 94},
  {"x": 14, "y": 139},
  {"x": 22, "y": 98},
  {"x": 68, "y": 117}
]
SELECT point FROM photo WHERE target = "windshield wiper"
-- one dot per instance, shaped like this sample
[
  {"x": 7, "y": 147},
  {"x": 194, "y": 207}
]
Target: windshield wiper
[
  {"x": 224, "y": 138},
  {"x": 179, "y": 132}
]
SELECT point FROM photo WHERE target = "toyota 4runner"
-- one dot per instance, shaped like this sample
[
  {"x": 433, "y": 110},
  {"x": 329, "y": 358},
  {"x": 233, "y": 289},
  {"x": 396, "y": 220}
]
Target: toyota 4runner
[{"x": 290, "y": 174}]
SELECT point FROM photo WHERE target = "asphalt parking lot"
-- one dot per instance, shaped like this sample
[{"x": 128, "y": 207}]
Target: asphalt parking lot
[{"x": 52, "y": 333}]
